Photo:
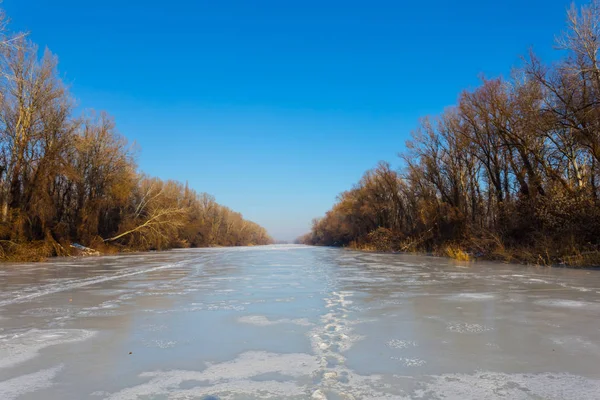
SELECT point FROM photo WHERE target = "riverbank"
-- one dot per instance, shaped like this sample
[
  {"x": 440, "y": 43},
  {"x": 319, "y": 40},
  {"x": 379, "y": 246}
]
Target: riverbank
[
  {"x": 524, "y": 255},
  {"x": 43, "y": 250}
]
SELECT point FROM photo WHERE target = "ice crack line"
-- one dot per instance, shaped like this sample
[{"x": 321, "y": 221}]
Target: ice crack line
[{"x": 61, "y": 287}]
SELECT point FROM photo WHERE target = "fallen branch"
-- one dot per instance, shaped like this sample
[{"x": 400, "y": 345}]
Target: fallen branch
[{"x": 151, "y": 223}]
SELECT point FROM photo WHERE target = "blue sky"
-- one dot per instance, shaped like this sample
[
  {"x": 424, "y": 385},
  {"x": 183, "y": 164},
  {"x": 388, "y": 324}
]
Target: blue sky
[{"x": 275, "y": 107}]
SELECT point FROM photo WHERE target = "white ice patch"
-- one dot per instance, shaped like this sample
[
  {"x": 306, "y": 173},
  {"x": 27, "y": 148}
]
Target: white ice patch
[
  {"x": 463, "y": 327},
  {"x": 459, "y": 275},
  {"x": 49, "y": 311},
  {"x": 318, "y": 395},
  {"x": 329, "y": 341},
  {"x": 494, "y": 385},
  {"x": 232, "y": 377},
  {"x": 159, "y": 343},
  {"x": 286, "y": 300},
  {"x": 536, "y": 280},
  {"x": 471, "y": 297},
  {"x": 569, "y": 304},
  {"x": 22, "y": 347},
  {"x": 336, "y": 336},
  {"x": 578, "y": 288},
  {"x": 16, "y": 387},
  {"x": 401, "y": 344},
  {"x": 410, "y": 362},
  {"x": 261, "y": 320},
  {"x": 338, "y": 300}
]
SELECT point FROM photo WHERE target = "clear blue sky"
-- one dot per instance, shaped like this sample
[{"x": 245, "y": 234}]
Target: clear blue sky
[{"x": 277, "y": 106}]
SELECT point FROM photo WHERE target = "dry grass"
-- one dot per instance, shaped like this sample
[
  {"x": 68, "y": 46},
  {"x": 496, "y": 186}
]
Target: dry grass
[
  {"x": 581, "y": 260},
  {"x": 26, "y": 252},
  {"x": 455, "y": 252},
  {"x": 41, "y": 250},
  {"x": 361, "y": 246},
  {"x": 487, "y": 246}
]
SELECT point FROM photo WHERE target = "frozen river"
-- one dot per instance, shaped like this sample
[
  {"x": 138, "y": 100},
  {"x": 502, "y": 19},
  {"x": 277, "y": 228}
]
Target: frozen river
[{"x": 295, "y": 322}]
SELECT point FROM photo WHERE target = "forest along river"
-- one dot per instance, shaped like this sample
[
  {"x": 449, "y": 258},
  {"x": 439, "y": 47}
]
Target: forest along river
[{"x": 296, "y": 322}]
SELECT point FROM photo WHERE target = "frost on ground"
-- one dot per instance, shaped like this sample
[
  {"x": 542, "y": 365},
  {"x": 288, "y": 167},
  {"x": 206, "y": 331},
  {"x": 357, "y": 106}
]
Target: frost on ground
[{"x": 18, "y": 348}]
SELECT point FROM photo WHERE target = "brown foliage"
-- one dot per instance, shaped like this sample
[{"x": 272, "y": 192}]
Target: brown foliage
[
  {"x": 66, "y": 179},
  {"x": 510, "y": 173}
]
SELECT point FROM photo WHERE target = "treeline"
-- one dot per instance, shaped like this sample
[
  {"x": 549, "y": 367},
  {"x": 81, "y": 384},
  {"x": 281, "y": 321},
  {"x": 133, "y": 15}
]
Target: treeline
[
  {"x": 67, "y": 179},
  {"x": 511, "y": 172}
]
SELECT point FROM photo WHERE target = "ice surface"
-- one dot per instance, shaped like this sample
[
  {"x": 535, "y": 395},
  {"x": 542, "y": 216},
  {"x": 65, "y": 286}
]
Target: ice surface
[
  {"x": 472, "y": 297},
  {"x": 228, "y": 377},
  {"x": 463, "y": 327},
  {"x": 401, "y": 344},
  {"x": 295, "y": 322},
  {"x": 18, "y": 348},
  {"x": 575, "y": 304},
  {"x": 494, "y": 385},
  {"x": 261, "y": 320},
  {"x": 16, "y": 387}
]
